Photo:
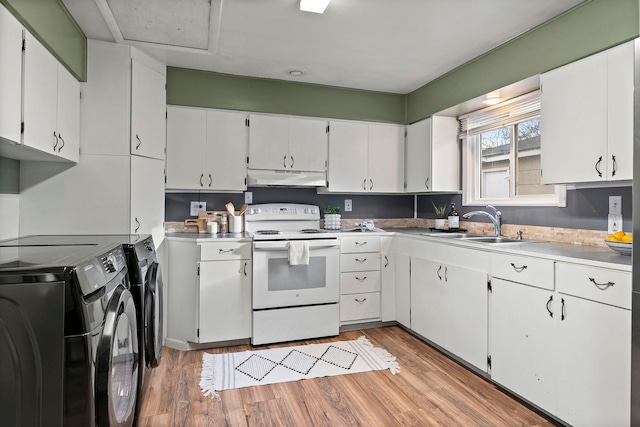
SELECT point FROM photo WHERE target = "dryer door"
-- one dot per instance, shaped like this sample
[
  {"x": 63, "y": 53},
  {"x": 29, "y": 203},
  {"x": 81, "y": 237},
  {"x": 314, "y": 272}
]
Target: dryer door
[
  {"x": 117, "y": 362},
  {"x": 153, "y": 315}
]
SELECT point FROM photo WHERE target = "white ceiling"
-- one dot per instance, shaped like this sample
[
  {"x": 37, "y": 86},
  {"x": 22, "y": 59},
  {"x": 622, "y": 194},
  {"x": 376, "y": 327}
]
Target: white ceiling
[{"x": 392, "y": 46}]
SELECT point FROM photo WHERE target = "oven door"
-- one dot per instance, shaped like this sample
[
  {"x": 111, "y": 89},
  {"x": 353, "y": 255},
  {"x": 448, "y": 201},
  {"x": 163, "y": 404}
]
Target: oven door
[{"x": 278, "y": 284}]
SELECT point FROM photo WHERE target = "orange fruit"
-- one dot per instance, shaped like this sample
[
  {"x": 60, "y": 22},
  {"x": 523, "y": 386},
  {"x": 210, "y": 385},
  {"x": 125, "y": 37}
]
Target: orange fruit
[
  {"x": 628, "y": 238},
  {"x": 618, "y": 234}
]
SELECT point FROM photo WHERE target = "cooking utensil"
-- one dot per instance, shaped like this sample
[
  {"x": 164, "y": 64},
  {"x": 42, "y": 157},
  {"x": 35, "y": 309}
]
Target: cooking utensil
[
  {"x": 231, "y": 209},
  {"x": 243, "y": 208}
]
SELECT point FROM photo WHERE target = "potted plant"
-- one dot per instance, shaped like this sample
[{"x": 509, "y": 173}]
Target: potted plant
[
  {"x": 441, "y": 214},
  {"x": 332, "y": 218}
]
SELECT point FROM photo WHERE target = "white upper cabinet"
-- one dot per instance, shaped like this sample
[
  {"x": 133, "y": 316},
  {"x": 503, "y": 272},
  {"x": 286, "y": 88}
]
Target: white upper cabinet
[
  {"x": 287, "y": 143},
  {"x": 148, "y": 111},
  {"x": 11, "y": 33},
  {"x": 432, "y": 158},
  {"x": 366, "y": 157},
  {"x": 68, "y": 117},
  {"x": 587, "y": 119},
  {"x": 206, "y": 149},
  {"x": 147, "y": 197}
]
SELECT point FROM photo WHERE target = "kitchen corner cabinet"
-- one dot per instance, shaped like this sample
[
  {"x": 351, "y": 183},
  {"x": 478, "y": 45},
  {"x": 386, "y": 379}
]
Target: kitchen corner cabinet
[
  {"x": 206, "y": 149},
  {"x": 587, "y": 119},
  {"x": 432, "y": 158},
  {"x": 365, "y": 157},
  {"x": 287, "y": 143},
  {"x": 387, "y": 279},
  {"x": 210, "y": 291}
]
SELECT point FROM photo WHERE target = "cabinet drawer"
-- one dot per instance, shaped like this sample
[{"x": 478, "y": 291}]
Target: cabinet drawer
[
  {"x": 358, "y": 244},
  {"x": 220, "y": 251},
  {"x": 360, "y": 306},
  {"x": 597, "y": 284},
  {"x": 360, "y": 281},
  {"x": 530, "y": 271},
  {"x": 360, "y": 262}
]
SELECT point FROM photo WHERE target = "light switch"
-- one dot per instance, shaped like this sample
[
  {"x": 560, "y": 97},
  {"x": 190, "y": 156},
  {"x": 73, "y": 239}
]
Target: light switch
[
  {"x": 197, "y": 207},
  {"x": 348, "y": 205},
  {"x": 615, "y": 205},
  {"x": 248, "y": 197}
]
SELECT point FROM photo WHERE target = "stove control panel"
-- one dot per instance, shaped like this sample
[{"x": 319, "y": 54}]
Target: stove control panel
[{"x": 280, "y": 211}]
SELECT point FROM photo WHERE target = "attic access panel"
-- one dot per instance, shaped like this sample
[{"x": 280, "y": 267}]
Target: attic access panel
[{"x": 181, "y": 23}]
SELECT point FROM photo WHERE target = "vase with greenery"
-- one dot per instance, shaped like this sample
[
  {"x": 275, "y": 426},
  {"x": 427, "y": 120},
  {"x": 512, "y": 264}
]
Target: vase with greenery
[
  {"x": 441, "y": 214},
  {"x": 332, "y": 218}
]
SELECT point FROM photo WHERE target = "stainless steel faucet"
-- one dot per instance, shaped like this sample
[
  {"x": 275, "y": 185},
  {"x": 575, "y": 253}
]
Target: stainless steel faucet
[{"x": 495, "y": 219}]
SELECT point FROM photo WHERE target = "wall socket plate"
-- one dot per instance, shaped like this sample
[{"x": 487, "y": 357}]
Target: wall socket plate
[
  {"x": 197, "y": 207},
  {"x": 348, "y": 205},
  {"x": 248, "y": 197},
  {"x": 614, "y": 223},
  {"x": 615, "y": 205}
]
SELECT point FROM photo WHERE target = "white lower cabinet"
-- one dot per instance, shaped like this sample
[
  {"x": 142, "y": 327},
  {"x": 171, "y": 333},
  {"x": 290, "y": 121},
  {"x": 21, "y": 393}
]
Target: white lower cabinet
[
  {"x": 209, "y": 298},
  {"x": 403, "y": 289},
  {"x": 387, "y": 279},
  {"x": 360, "y": 279}
]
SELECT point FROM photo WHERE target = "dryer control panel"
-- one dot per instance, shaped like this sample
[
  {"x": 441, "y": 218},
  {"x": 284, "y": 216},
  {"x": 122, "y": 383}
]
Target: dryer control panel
[{"x": 97, "y": 272}]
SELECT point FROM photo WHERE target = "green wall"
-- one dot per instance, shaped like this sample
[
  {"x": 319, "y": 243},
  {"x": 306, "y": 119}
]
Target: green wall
[
  {"x": 225, "y": 91},
  {"x": 9, "y": 176},
  {"x": 587, "y": 29},
  {"x": 54, "y": 27}
]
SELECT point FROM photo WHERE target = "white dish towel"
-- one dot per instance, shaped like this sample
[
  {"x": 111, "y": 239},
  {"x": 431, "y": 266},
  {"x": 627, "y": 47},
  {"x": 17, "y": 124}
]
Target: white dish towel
[{"x": 298, "y": 252}]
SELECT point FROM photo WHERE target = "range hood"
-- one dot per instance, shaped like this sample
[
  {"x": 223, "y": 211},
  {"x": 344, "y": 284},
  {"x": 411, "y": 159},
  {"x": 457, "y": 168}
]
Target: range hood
[{"x": 257, "y": 177}]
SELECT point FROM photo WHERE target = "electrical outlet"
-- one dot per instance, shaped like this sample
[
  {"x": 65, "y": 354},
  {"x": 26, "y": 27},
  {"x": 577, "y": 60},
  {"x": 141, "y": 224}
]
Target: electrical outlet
[
  {"x": 248, "y": 197},
  {"x": 615, "y": 205},
  {"x": 197, "y": 207},
  {"x": 348, "y": 205},
  {"x": 615, "y": 223}
]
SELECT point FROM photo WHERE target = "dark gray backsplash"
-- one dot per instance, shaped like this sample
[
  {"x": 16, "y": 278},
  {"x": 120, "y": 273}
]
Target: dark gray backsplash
[{"x": 586, "y": 208}]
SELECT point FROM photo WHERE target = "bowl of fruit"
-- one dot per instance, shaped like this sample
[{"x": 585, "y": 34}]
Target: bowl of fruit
[{"x": 620, "y": 242}]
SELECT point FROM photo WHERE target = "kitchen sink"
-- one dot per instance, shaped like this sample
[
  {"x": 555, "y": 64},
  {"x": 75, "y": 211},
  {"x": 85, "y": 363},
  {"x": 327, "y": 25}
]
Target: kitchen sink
[
  {"x": 454, "y": 235},
  {"x": 479, "y": 238}
]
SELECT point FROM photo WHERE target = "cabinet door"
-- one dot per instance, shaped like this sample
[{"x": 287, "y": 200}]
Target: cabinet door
[
  {"x": 403, "y": 289},
  {"x": 40, "y": 97},
  {"x": 429, "y": 314},
  {"x": 418, "y": 157},
  {"x": 594, "y": 369},
  {"x": 68, "y": 115},
  {"x": 148, "y": 111},
  {"x": 269, "y": 142},
  {"x": 523, "y": 356},
  {"x": 226, "y": 150},
  {"x": 308, "y": 144},
  {"x": 348, "y": 157},
  {"x": 10, "y": 76},
  {"x": 386, "y": 158},
  {"x": 466, "y": 304},
  {"x": 620, "y": 112},
  {"x": 574, "y": 122},
  {"x": 445, "y": 154},
  {"x": 147, "y": 197},
  {"x": 388, "y": 286},
  {"x": 186, "y": 148},
  {"x": 225, "y": 300}
]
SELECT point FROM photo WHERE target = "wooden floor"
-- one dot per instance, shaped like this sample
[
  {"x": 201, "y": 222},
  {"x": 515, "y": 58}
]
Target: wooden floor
[{"x": 430, "y": 390}]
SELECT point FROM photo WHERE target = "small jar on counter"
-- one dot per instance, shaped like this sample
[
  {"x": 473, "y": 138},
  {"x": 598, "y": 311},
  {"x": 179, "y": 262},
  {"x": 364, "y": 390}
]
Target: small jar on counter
[
  {"x": 222, "y": 224},
  {"x": 212, "y": 227}
]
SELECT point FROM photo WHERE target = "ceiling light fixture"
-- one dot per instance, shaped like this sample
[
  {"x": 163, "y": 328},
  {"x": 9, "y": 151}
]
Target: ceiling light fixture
[
  {"x": 296, "y": 73},
  {"x": 492, "y": 98},
  {"x": 315, "y": 6}
]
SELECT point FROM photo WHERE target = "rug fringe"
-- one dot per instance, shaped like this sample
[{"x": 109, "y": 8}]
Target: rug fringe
[
  {"x": 208, "y": 376},
  {"x": 388, "y": 358}
]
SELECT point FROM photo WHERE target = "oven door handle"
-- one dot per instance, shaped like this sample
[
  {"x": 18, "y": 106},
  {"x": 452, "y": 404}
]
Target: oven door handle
[{"x": 284, "y": 245}]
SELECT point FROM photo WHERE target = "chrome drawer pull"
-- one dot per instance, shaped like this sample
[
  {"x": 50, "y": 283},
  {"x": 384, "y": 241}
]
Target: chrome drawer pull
[
  {"x": 518, "y": 269},
  {"x": 361, "y": 300},
  {"x": 360, "y": 260},
  {"x": 601, "y": 286},
  {"x": 361, "y": 279},
  {"x": 361, "y": 243},
  {"x": 222, "y": 251}
]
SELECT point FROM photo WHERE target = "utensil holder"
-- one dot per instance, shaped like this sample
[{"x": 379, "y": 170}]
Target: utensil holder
[{"x": 236, "y": 224}]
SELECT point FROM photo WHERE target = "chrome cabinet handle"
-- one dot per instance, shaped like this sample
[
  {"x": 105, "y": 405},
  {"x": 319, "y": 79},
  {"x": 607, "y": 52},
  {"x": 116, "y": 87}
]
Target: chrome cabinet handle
[
  {"x": 137, "y": 225},
  {"x": 364, "y": 184},
  {"x": 57, "y": 141},
  {"x": 360, "y": 300},
  {"x": 222, "y": 251},
  {"x": 139, "y": 142},
  {"x": 615, "y": 166},
  {"x": 426, "y": 183},
  {"x": 386, "y": 261},
  {"x": 284, "y": 161},
  {"x": 210, "y": 180},
  {"x": 201, "y": 177},
  {"x": 601, "y": 286},
  {"x": 292, "y": 162},
  {"x": 245, "y": 268},
  {"x": 361, "y": 279},
  {"x": 446, "y": 273},
  {"x": 562, "y": 315},
  {"x": 361, "y": 243},
  {"x": 61, "y": 139},
  {"x": 549, "y": 302},
  {"x": 518, "y": 269},
  {"x": 360, "y": 260},
  {"x": 371, "y": 184},
  {"x": 597, "y": 165},
  {"x": 438, "y": 273}
]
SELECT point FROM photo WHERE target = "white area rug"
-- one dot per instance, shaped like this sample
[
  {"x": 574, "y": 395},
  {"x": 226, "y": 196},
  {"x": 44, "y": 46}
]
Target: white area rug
[{"x": 277, "y": 365}]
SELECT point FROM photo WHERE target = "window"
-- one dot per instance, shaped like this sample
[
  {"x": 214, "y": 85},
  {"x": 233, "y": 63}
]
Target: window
[{"x": 501, "y": 157}]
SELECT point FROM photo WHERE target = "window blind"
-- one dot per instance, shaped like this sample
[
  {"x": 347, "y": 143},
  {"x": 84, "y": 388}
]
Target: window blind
[{"x": 506, "y": 113}]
